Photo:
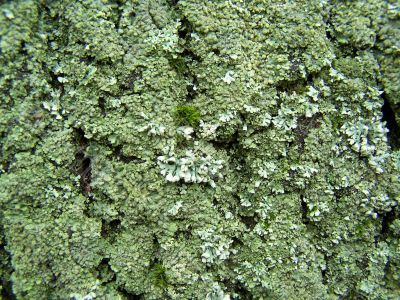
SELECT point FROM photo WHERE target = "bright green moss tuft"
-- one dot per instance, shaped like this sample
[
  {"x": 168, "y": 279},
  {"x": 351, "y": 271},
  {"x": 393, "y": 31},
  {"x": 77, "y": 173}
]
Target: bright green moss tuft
[
  {"x": 157, "y": 276},
  {"x": 186, "y": 116}
]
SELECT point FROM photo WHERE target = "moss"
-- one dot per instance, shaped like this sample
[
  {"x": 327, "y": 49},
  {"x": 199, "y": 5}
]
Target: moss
[
  {"x": 186, "y": 116},
  {"x": 157, "y": 276}
]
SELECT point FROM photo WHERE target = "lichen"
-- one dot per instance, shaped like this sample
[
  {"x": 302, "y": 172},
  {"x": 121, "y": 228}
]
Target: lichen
[{"x": 199, "y": 149}]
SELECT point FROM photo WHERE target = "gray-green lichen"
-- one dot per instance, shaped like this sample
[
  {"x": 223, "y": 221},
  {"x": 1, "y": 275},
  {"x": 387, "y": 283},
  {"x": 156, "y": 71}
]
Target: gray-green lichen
[{"x": 191, "y": 149}]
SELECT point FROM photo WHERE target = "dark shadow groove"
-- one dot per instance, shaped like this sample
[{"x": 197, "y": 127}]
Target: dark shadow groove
[
  {"x": 304, "y": 211},
  {"x": 391, "y": 124}
]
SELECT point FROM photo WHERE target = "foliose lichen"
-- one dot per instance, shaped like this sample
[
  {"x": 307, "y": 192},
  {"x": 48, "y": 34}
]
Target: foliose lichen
[{"x": 191, "y": 149}]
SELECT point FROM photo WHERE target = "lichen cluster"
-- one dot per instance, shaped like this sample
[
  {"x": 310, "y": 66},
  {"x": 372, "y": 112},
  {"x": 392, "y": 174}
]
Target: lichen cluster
[{"x": 230, "y": 149}]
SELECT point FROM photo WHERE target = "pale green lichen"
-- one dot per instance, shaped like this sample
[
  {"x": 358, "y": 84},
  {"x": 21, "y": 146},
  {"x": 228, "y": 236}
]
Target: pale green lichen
[{"x": 199, "y": 149}]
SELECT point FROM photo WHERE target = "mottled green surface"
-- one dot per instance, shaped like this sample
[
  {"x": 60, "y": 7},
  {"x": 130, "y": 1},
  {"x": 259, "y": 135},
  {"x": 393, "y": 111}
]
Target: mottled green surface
[{"x": 155, "y": 149}]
